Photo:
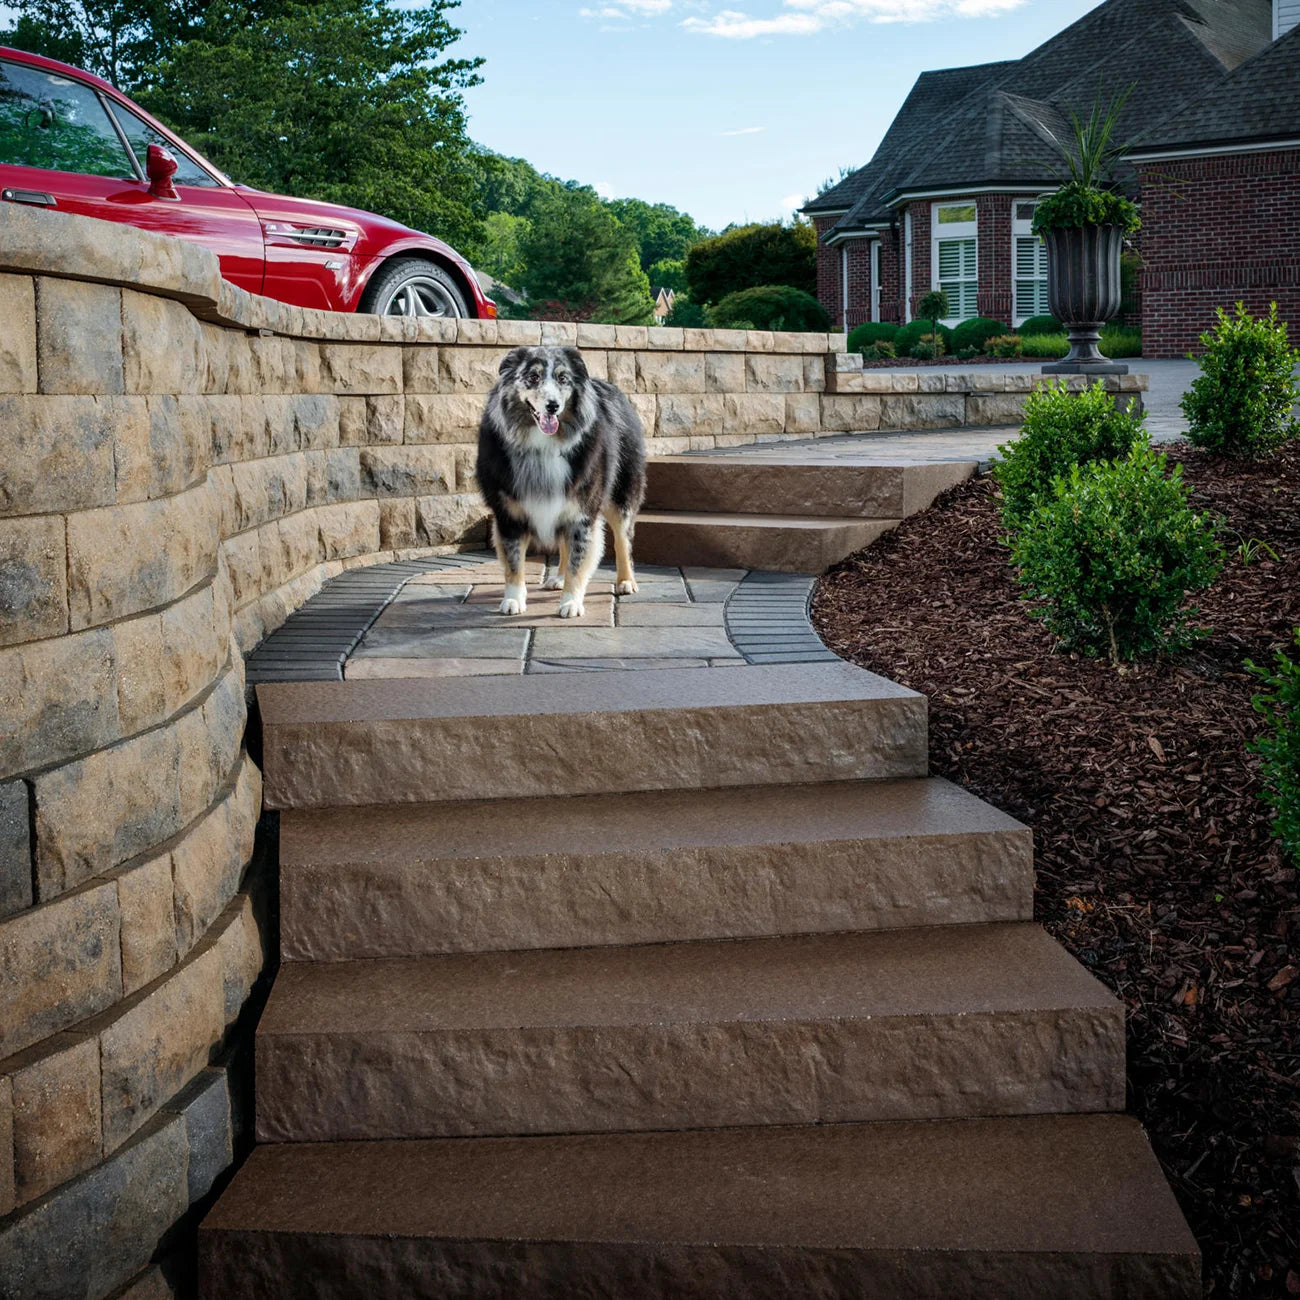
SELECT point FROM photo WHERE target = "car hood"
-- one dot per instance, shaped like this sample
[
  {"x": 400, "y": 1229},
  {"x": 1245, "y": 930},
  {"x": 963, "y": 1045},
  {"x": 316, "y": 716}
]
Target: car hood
[{"x": 374, "y": 234}]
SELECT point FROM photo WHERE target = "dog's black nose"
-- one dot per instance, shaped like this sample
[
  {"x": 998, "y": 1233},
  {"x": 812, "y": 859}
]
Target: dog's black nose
[{"x": 552, "y": 407}]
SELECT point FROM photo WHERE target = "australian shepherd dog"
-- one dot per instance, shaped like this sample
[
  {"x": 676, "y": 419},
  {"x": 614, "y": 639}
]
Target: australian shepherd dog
[{"x": 560, "y": 454}]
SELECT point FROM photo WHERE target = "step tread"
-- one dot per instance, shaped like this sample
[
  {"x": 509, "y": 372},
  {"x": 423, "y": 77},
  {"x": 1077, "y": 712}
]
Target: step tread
[
  {"x": 1053, "y": 1184},
  {"x": 644, "y": 820},
  {"x": 765, "y": 521},
  {"x": 942, "y": 971},
  {"x": 400, "y": 699}
]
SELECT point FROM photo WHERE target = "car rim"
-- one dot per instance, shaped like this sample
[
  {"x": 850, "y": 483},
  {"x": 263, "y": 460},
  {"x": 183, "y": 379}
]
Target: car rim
[{"x": 421, "y": 295}]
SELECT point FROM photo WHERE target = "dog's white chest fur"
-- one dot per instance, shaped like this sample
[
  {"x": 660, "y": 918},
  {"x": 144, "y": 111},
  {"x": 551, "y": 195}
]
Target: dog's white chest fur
[{"x": 541, "y": 482}]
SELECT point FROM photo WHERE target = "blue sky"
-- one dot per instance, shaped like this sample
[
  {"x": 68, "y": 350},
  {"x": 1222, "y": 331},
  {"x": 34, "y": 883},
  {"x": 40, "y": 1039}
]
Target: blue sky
[{"x": 731, "y": 111}]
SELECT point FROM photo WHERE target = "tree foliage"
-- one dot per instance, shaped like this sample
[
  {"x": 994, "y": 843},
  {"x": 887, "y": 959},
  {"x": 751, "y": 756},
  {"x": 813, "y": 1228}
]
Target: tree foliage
[
  {"x": 749, "y": 256},
  {"x": 770, "y": 307},
  {"x": 582, "y": 263}
]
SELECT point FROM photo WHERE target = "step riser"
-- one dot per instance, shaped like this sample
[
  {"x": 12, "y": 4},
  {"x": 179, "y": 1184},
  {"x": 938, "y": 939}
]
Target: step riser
[
  {"x": 769, "y": 547},
  {"x": 344, "y": 911},
  {"x": 618, "y": 1078},
  {"x": 745, "y": 486},
  {"x": 306, "y": 1266},
  {"x": 419, "y": 760}
]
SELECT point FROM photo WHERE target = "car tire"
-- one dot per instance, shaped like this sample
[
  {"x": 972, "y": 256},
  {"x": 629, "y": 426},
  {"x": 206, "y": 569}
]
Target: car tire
[{"x": 413, "y": 286}]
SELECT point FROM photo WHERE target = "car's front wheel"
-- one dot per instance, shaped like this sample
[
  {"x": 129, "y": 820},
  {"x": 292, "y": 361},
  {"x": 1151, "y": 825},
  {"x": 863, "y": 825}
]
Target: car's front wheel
[{"x": 413, "y": 287}]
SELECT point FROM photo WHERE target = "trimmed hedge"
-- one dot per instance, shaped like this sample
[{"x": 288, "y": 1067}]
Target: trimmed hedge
[
  {"x": 750, "y": 257},
  {"x": 872, "y": 332},
  {"x": 976, "y": 332},
  {"x": 770, "y": 307},
  {"x": 1041, "y": 325}
]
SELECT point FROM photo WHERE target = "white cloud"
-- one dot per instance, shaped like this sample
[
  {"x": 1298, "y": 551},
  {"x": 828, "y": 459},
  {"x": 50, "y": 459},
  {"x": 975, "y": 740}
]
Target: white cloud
[
  {"x": 791, "y": 203},
  {"x": 626, "y": 10},
  {"x": 745, "y": 130},
  {"x": 806, "y": 17},
  {"x": 604, "y": 189}
]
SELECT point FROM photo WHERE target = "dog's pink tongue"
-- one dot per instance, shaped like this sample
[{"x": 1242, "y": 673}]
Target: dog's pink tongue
[{"x": 550, "y": 424}]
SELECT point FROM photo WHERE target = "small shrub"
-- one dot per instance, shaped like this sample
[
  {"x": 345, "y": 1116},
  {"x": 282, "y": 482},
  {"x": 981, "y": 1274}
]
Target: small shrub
[
  {"x": 1279, "y": 705},
  {"x": 933, "y": 307},
  {"x": 1042, "y": 325},
  {"x": 1076, "y": 204},
  {"x": 1044, "y": 345},
  {"x": 880, "y": 351},
  {"x": 873, "y": 331},
  {"x": 1240, "y": 405},
  {"x": 977, "y": 331},
  {"x": 1061, "y": 429},
  {"x": 686, "y": 314},
  {"x": 1004, "y": 345},
  {"x": 966, "y": 354},
  {"x": 770, "y": 307},
  {"x": 910, "y": 335},
  {"x": 928, "y": 347},
  {"x": 1113, "y": 554}
]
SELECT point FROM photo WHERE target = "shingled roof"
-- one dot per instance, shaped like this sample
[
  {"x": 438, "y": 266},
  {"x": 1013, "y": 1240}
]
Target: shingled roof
[
  {"x": 1257, "y": 102},
  {"x": 995, "y": 124}
]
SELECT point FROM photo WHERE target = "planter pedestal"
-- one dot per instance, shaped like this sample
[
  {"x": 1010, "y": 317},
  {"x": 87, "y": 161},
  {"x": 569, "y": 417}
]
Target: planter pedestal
[{"x": 1083, "y": 290}]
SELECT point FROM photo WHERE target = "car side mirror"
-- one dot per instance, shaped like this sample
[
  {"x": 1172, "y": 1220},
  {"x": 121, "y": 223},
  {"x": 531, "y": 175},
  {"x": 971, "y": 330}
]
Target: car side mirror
[{"x": 160, "y": 167}]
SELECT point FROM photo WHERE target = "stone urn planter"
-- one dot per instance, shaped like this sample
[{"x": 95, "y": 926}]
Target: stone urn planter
[{"x": 1083, "y": 292}]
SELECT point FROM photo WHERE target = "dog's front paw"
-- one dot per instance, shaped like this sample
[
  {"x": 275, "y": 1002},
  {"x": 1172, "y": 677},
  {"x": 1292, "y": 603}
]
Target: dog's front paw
[
  {"x": 515, "y": 602},
  {"x": 571, "y": 607},
  {"x": 626, "y": 588},
  {"x": 553, "y": 583}
]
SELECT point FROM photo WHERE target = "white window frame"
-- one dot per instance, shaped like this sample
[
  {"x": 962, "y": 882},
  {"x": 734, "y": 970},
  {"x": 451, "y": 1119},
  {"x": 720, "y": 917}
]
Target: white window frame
[
  {"x": 875, "y": 280},
  {"x": 1023, "y": 229},
  {"x": 844, "y": 287},
  {"x": 907, "y": 264},
  {"x": 954, "y": 230}
]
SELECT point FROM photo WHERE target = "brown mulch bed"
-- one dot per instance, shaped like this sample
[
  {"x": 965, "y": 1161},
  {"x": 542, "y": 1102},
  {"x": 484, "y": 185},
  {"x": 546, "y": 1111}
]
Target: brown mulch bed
[{"x": 1155, "y": 863}]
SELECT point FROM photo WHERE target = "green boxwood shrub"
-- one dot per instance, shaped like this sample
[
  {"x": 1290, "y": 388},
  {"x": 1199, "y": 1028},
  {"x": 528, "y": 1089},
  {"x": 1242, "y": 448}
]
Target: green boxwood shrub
[
  {"x": 1112, "y": 555},
  {"x": 909, "y": 336},
  {"x": 1041, "y": 325},
  {"x": 1279, "y": 747},
  {"x": 770, "y": 307},
  {"x": 1061, "y": 429},
  {"x": 977, "y": 331},
  {"x": 873, "y": 331},
  {"x": 1241, "y": 403},
  {"x": 879, "y": 351}
]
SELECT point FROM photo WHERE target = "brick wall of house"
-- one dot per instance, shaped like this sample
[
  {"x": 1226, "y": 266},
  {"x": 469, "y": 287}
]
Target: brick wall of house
[
  {"x": 858, "y": 252},
  {"x": 829, "y": 275},
  {"x": 995, "y": 298},
  {"x": 1217, "y": 230},
  {"x": 891, "y": 274},
  {"x": 920, "y": 252}
]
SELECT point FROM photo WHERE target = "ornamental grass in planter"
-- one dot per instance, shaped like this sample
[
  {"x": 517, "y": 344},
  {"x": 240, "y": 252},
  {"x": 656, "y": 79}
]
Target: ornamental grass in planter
[{"x": 1084, "y": 225}]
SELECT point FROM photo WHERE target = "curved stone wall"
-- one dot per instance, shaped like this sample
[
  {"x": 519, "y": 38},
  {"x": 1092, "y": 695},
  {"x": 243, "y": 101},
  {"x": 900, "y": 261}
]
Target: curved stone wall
[{"x": 181, "y": 466}]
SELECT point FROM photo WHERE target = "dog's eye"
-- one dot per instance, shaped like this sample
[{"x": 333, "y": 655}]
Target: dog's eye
[
  {"x": 532, "y": 379},
  {"x": 561, "y": 378}
]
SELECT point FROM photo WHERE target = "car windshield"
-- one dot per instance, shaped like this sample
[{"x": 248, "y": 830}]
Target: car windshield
[
  {"x": 141, "y": 135},
  {"x": 53, "y": 122}
]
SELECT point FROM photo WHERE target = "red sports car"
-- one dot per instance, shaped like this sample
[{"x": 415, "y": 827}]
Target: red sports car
[{"x": 72, "y": 142}]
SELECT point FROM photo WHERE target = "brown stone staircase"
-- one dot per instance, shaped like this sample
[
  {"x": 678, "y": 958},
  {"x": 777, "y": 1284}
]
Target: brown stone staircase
[
  {"x": 796, "y": 516},
  {"x": 683, "y": 983}
]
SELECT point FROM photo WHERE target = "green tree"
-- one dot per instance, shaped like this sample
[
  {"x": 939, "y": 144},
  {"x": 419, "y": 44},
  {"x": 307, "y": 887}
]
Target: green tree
[
  {"x": 348, "y": 101},
  {"x": 582, "y": 264},
  {"x": 661, "y": 231},
  {"x": 749, "y": 256},
  {"x": 668, "y": 272},
  {"x": 500, "y": 253},
  {"x": 932, "y": 307}
]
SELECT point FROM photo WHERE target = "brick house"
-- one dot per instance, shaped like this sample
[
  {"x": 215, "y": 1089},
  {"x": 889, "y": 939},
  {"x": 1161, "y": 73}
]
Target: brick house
[
  {"x": 1220, "y": 187},
  {"x": 948, "y": 197}
]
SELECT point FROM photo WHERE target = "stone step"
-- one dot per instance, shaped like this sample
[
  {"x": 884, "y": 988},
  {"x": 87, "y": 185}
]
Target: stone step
[
  {"x": 329, "y": 744},
  {"x": 743, "y": 485},
  {"x": 902, "y": 1024},
  {"x": 1069, "y": 1207},
  {"x": 651, "y": 867},
  {"x": 780, "y": 543}
]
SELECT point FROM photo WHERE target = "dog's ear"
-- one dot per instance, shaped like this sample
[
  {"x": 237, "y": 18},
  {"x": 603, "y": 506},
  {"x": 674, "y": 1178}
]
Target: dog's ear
[
  {"x": 573, "y": 359},
  {"x": 512, "y": 361}
]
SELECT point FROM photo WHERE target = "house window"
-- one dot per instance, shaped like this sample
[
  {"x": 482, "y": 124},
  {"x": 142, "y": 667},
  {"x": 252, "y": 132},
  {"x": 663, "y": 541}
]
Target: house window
[
  {"x": 1029, "y": 263},
  {"x": 955, "y": 262}
]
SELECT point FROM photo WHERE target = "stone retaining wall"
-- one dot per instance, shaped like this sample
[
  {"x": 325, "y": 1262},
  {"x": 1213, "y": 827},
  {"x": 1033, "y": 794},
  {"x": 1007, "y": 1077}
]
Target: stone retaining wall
[{"x": 182, "y": 465}]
